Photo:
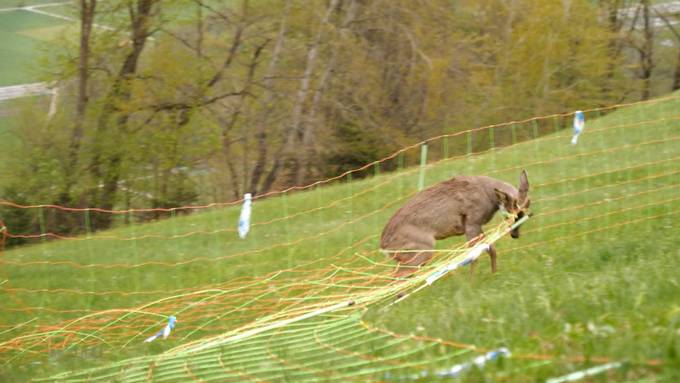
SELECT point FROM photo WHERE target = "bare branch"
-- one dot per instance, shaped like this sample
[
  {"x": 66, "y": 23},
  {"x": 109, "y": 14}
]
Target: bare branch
[{"x": 668, "y": 23}]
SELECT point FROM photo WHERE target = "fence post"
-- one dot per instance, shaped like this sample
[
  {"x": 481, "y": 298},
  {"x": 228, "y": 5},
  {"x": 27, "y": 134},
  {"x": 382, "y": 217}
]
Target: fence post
[
  {"x": 289, "y": 254},
  {"x": 469, "y": 142},
  {"x": 492, "y": 144},
  {"x": 535, "y": 128},
  {"x": 90, "y": 253},
  {"x": 88, "y": 224},
  {"x": 400, "y": 168},
  {"x": 43, "y": 228},
  {"x": 423, "y": 162},
  {"x": 3, "y": 235},
  {"x": 350, "y": 186}
]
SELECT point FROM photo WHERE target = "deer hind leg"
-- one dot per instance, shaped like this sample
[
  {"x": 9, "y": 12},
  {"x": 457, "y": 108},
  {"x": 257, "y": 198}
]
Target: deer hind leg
[{"x": 410, "y": 264}]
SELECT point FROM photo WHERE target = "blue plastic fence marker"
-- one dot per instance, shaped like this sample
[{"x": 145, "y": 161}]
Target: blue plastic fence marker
[
  {"x": 165, "y": 332},
  {"x": 579, "y": 124},
  {"x": 244, "y": 219}
]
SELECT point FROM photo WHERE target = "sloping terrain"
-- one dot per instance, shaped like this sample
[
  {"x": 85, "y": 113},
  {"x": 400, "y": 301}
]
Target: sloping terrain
[{"x": 592, "y": 279}]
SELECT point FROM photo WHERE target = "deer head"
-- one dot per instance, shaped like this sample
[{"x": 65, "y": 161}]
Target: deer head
[{"x": 516, "y": 208}]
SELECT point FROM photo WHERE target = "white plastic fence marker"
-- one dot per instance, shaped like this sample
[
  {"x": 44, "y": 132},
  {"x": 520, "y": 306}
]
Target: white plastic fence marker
[
  {"x": 457, "y": 369},
  {"x": 244, "y": 219},
  {"x": 579, "y": 124},
  {"x": 578, "y": 375},
  {"x": 423, "y": 162},
  {"x": 471, "y": 257},
  {"x": 479, "y": 361}
]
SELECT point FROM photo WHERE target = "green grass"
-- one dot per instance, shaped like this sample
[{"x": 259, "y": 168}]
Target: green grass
[{"x": 594, "y": 274}]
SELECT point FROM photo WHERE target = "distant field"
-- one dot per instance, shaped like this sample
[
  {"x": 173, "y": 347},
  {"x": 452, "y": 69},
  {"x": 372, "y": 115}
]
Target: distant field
[
  {"x": 22, "y": 38},
  {"x": 24, "y": 3},
  {"x": 23, "y": 33}
]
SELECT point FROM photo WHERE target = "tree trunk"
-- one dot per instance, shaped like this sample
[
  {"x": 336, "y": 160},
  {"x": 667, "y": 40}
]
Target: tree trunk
[
  {"x": 307, "y": 151},
  {"x": 271, "y": 176},
  {"x": 295, "y": 133},
  {"x": 199, "y": 31},
  {"x": 669, "y": 25},
  {"x": 614, "y": 44},
  {"x": 646, "y": 53},
  {"x": 87, "y": 11},
  {"x": 676, "y": 75},
  {"x": 107, "y": 171},
  {"x": 233, "y": 176},
  {"x": 261, "y": 135}
]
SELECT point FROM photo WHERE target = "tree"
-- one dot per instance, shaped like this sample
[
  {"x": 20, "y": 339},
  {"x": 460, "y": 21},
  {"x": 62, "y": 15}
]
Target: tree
[
  {"x": 87, "y": 10},
  {"x": 645, "y": 47},
  {"x": 112, "y": 123},
  {"x": 199, "y": 101},
  {"x": 676, "y": 72}
]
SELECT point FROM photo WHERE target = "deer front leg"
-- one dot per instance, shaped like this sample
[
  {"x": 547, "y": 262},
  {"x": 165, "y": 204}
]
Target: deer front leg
[
  {"x": 474, "y": 234},
  {"x": 492, "y": 254}
]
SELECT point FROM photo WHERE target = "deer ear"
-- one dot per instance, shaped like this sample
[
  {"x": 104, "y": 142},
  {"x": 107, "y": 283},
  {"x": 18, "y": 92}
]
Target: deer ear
[
  {"x": 526, "y": 204},
  {"x": 523, "y": 187}
]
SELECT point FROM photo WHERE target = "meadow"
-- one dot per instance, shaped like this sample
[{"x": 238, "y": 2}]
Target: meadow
[{"x": 593, "y": 278}]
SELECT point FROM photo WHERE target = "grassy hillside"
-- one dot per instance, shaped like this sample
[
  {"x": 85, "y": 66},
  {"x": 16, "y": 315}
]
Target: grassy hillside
[{"x": 594, "y": 274}]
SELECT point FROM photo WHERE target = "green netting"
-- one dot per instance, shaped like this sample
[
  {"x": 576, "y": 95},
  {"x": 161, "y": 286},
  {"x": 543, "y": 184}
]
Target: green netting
[
  {"x": 321, "y": 349},
  {"x": 322, "y": 339}
]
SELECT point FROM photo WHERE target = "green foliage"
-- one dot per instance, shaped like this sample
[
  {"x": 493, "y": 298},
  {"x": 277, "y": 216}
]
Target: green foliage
[
  {"x": 354, "y": 148},
  {"x": 255, "y": 96},
  {"x": 22, "y": 220}
]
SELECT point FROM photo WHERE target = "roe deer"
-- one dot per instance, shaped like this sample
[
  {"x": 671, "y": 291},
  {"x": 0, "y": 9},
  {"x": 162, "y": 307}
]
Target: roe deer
[{"x": 458, "y": 206}]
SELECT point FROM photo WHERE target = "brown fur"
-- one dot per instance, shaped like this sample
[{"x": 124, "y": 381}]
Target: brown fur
[{"x": 458, "y": 206}]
